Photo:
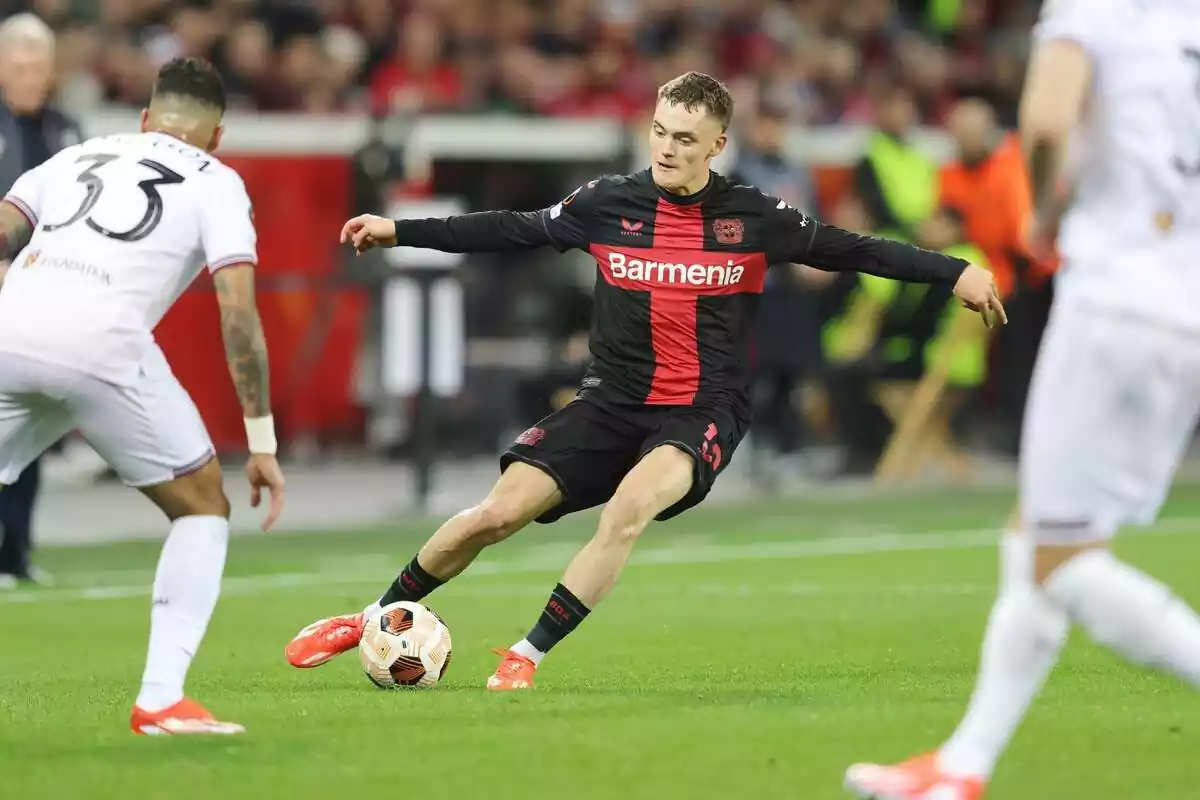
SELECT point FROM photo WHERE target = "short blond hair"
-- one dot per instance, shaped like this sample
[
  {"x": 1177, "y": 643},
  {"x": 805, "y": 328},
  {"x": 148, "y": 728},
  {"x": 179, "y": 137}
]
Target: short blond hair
[
  {"x": 25, "y": 29},
  {"x": 694, "y": 90}
]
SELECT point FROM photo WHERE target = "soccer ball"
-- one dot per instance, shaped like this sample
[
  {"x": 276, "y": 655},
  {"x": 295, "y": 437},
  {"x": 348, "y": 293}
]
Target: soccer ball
[{"x": 404, "y": 645}]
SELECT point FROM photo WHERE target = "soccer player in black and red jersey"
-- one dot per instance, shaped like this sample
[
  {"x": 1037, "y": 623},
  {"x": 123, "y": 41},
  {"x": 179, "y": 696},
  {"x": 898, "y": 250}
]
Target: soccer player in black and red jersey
[{"x": 682, "y": 254}]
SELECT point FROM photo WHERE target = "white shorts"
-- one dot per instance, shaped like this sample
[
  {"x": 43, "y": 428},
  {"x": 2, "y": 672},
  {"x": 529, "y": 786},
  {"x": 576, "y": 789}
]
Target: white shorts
[
  {"x": 1111, "y": 411},
  {"x": 150, "y": 433}
]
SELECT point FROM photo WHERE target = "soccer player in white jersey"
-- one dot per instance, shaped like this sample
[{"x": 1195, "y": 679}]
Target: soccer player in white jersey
[
  {"x": 103, "y": 238},
  {"x": 1116, "y": 393}
]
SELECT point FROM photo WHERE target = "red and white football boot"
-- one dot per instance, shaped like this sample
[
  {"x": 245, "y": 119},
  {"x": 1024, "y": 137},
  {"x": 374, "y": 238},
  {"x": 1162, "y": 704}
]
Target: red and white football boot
[{"x": 323, "y": 640}]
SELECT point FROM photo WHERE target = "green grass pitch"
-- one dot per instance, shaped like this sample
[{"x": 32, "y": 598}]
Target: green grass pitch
[{"x": 749, "y": 651}]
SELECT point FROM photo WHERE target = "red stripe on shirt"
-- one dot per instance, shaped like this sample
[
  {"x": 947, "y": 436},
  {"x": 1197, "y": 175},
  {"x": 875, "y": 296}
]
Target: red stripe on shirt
[{"x": 673, "y": 310}]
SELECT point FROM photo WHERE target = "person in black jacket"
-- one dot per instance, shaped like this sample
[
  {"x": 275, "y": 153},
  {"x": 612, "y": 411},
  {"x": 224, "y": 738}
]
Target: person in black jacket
[{"x": 31, "y": 131}]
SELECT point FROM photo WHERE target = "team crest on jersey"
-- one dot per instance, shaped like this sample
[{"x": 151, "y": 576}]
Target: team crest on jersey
[
  {"x": 590, "y": 185},
  {"x": 531, "y": 437},
  {"x": 729, "y": 231}
]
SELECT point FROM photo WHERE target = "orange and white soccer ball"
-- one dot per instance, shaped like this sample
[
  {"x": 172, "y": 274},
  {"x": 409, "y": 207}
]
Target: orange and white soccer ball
[{"x": 404, "y": 645}]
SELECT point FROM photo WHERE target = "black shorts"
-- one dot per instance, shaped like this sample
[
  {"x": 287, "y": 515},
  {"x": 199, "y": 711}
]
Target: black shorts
[{"x": 588, "y": 449}]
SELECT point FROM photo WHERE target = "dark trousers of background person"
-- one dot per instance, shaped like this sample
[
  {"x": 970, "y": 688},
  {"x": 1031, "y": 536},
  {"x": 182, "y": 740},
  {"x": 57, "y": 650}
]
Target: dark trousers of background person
[
  {"x": 787, "y": 351},
  {"x": 862, "y": 427},
  {"x": 776, "y": 415},
  {"x": 16, "y": 521}
]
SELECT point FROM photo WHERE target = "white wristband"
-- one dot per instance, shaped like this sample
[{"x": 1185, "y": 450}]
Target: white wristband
[{"x": 260, "y": 433}]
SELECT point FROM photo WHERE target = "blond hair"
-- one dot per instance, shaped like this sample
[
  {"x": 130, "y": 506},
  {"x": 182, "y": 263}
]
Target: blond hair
[{"x": 27, "y": 30}]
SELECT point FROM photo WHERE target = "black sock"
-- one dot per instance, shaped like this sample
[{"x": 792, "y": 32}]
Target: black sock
[
  {"x": 412, "y": 584},
  {"x": 562, "y": 614}
]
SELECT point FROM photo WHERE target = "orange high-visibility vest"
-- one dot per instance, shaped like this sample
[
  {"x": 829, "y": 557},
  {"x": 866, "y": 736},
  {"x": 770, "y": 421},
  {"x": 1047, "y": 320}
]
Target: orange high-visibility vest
[{"x": 995, "y": 200}]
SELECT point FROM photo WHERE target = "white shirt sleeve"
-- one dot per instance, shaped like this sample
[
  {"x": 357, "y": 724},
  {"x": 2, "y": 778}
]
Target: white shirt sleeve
[
  {"x": 1092, "y": 24},
  {"x": 28, "y": 193},
  {"x": 227, "y": 231}
]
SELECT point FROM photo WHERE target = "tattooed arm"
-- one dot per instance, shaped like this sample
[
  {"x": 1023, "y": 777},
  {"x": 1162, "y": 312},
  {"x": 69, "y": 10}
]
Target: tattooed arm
[
  {"x": 230, "y": 246},
  {"x": 15, "y": 232},
  {"x": 245, "y": 344}
]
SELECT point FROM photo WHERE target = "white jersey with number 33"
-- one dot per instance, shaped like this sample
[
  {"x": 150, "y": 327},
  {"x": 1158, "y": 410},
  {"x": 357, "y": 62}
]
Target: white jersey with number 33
[
  {"x": 123, "y": 225},
  {"x": 1131, "y": 240}
]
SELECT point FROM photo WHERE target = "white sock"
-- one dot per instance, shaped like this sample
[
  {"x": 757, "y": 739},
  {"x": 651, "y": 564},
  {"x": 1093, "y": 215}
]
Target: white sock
[
  {"x": 186, "y": 587},
  {"x": 1025, "y": 634},
  {"x": 524, "y": 648},
  {"x": 1130, "y": 612},
  {"x": 371, "y": 609}
]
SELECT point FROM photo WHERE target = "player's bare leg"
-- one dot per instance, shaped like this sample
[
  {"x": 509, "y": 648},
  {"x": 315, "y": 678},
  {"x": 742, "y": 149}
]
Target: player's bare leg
[
  {"x": 1024, "y": 636},
  {"x": 1119, "y": 606},
  {"x": 660, "y": 480},
  {"x": 522, "y": 494},
  {"x": 186, "y": 586},
  {"x": 1073, "y": 576}
]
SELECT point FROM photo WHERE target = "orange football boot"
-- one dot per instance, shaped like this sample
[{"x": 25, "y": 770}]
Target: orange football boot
[
  {"x": 323, "y": 640},
  {"x": 187, "y": 717},
  {"x": 514, "y": 672},
  {"x": 919, "y": 778}
]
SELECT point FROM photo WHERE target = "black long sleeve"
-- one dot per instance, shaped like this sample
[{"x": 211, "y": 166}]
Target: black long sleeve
[
  {"x": 794, "y": 237},
  {"x": 834, "y": 249},
  {"x": 480, "y": 232}
]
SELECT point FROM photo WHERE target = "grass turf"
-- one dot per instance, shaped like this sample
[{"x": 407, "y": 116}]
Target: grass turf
[{"x": 751, "y": 650}]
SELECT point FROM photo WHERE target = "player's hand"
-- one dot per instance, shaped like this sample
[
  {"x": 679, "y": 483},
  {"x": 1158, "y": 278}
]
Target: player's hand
[
  {"x": 367, "y": 231},
  {"x": 1041, "y": 233},
  {"x": 263, "y": 472},
  {"x": 976, "y": 288}
]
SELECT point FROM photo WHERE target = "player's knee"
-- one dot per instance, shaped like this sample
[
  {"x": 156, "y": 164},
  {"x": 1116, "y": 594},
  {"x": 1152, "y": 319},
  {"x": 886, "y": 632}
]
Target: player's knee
[
  {"x": 620, "y": 534},
  {"x": 208, "y": 500},
  {"x": 1049, "y": 557},
  {"x": 625, "y": 517},
  {"x": 218, "y": 502},
  {"x": 199, "y": 494},
  {"x": 497, "y": 518},
  {"x": 207, "y": 491}
]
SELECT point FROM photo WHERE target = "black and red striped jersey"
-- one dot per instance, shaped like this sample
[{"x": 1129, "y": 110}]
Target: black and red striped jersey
[{"x": 678, "y": 277}]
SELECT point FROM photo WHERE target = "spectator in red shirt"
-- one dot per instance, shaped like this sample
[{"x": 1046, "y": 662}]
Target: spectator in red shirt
[
  {"x": 418, "y": 77},
  {"x": 607, "y": 90}
]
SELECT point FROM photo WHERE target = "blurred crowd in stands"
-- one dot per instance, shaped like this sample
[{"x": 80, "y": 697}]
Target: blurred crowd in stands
[
  {"x": 839, "y": 356},
  {"x": 821, "y": 61}
]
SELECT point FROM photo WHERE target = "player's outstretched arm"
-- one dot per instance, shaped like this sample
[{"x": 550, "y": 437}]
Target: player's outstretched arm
[
  {"x": 829, "y": 248},
  {"x": 246, "y": 354},
  {"x": 1052, "y": 104},
  {"x": 481, "y": 232}
]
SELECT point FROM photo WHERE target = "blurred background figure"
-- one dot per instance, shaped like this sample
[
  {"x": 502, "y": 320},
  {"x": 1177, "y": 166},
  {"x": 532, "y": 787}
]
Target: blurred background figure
[
  {"x": 786, "y": 352},
  {"x": 895, "y": 179},
  {"x": 987, "y": 181},
  {"x": 31, "y": 131}
]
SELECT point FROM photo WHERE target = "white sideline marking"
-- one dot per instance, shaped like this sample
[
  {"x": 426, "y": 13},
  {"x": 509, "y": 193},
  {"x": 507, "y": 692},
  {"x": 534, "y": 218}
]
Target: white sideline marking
[
  {"x": 257, "y": 585},
  {"x": 553, "y": 557}
]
